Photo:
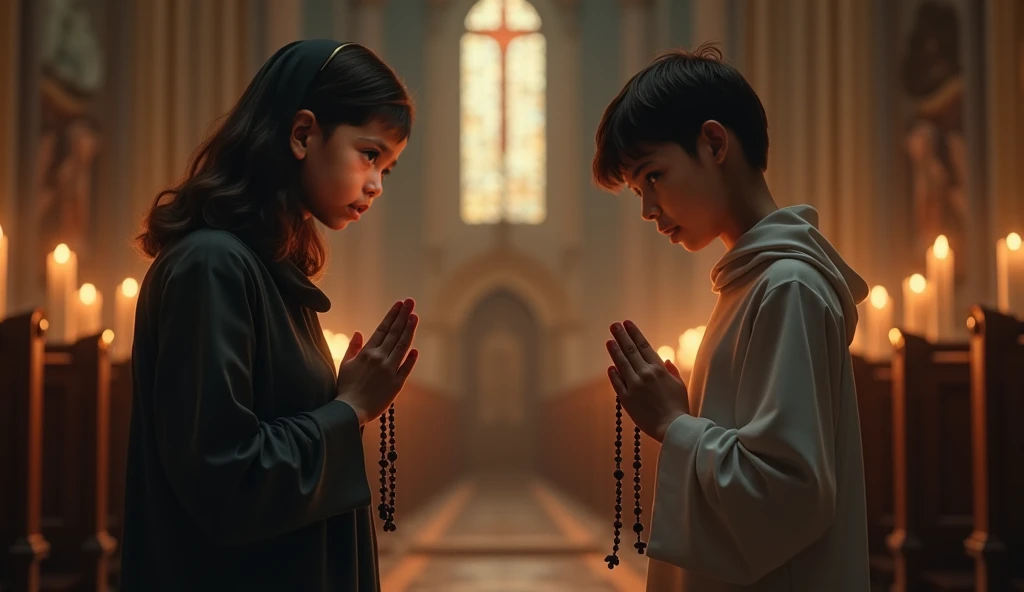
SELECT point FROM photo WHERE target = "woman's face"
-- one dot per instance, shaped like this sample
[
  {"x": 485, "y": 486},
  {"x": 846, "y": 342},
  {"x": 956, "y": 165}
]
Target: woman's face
[{"x": 343, "y": 174}]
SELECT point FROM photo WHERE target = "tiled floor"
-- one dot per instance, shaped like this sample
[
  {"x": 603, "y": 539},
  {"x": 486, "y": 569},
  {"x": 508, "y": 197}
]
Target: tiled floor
[{"x": 504, "y": 535}]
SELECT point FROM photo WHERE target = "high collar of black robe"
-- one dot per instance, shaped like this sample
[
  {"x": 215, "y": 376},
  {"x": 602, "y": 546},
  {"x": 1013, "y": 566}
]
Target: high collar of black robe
[{"x": 291, "y": 281}]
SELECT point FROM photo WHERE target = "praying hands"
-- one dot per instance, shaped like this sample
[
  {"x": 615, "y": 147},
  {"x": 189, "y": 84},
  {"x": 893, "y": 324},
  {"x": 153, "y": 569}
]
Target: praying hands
[{"x": 650, "y": 390}]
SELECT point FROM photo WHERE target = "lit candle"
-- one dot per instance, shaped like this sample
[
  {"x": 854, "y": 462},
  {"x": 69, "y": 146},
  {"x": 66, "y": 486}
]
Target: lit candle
[
  {"x": 1009, "y": 274},
  {"x": 689, "y": 343},
  {"x": 939, "y": 265},
  {"x": 666, "y": 353},
  {"x": 90, "y": 310},
  {"x": 338, "y": 344},
  {"x": 3, "y": 274},
  {"x": 61, "y": 279},
  {"x": 879, "y": 322},
  {"x": 125, "y": 299},
  {"x": 916, "y": 308}
]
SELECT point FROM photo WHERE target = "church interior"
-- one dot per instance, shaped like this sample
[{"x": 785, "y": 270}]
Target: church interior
[{"x": 900, "y": 121}]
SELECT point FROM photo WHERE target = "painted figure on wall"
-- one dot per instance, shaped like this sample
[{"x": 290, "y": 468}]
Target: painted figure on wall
[
  {"x": 933, "y": 80},
  {"x": 71, "y": 77}
]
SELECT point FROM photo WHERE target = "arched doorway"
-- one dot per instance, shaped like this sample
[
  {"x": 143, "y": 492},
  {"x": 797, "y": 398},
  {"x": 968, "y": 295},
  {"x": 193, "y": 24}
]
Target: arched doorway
[{"x": 500, "y": 349}]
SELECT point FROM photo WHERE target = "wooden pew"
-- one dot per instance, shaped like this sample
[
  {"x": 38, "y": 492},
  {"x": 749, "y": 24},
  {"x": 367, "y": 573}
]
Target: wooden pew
[
  {"x": 75, "y": 464},
  {"x": 120, "y": 419},
  {"x": 932, "y": 465},
  {"x": 22, "y": 339},
  {"x": 997, "y": 406},
  {"x": 874, "y": 402}
]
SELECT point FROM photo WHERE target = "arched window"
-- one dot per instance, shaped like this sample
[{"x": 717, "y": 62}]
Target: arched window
[{"x": 503, "y": 122}]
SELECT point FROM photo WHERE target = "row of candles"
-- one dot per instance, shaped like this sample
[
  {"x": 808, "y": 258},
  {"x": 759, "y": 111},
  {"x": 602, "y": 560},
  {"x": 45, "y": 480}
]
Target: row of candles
[
  {"x": 929, "y": 307},
  {"x": 928, "y": 304},
  {"x": 74, "y": 311}
]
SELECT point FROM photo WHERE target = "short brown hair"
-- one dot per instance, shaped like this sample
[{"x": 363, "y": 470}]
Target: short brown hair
[{"x": 669, "y": 101}]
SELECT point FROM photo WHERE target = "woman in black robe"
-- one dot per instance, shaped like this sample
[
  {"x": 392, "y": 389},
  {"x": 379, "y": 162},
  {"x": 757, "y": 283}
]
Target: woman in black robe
[{"x": 245, "y": 461}]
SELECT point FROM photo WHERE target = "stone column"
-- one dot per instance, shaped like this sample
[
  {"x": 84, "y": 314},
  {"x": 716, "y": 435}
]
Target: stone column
[
  {"x": 1004, "y": 129},
  {"x": 282, "y": 23},
  {"x": 10, "y": 58}
]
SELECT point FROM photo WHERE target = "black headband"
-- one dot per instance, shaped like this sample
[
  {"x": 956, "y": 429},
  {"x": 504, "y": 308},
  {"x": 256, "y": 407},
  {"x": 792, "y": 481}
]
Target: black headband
[{"x": 293, "y": 68}]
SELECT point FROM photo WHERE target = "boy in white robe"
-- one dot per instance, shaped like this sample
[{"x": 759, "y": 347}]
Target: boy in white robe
[{"x": 760, "y": 477}]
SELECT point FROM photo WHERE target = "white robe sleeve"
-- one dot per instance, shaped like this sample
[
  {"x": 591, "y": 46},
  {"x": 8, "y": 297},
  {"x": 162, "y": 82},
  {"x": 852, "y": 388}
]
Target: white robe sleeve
[{"x": 734, "y": 504}]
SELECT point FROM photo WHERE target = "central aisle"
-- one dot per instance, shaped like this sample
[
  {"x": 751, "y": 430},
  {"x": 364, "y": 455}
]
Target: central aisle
[{"x": 504, "y": 534}]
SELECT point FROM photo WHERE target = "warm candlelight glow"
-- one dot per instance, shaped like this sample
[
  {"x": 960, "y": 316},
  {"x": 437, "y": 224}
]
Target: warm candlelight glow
[
  {"x": 3, "y": 274},
  {"x": 877, "y": 322},
  {"x": 1010, "y": 275},
  {"x": 125, "y": 301},
  {"x": 107, "y": 336},
  {"x": 87, "y": 294},
  {"x": 941, "y": 247},
  {"x": 62, "y": 301},
  {"x": 689, "y": 343},
  {"x": 88, "y": 311},
  {"x": 666, "y": 353},
  {"x": 338, "y": 344},
  {"x": 894, "y": 336},
  {"x": 879, "y": 297},
  {"x": 129, "y": 287},
  {"x": 940, "y": 266},
  {"x": 44, "y": 325},
  {"x": 918, "y": 283},
  {"x": 61, "y": 254}
]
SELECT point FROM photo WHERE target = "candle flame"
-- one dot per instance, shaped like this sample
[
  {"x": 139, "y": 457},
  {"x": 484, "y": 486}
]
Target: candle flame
[
  {"x": 107, "y": 336},
  {"x": 338, "y": 344},
  {"x": 879, "y": 297},
  {"x": 1013, "y": 241},
  {"x": 689, "y": 343},
  {"x": 129, "y": 287},
  {"x": 918, "y": 283},
  {"x": 87, "y": 294},
  {"x": 665, "y": 352},
  {"x": 894, "y": 336},
  {"x": 62, "y": 254},
  {"x": 941, "y": 247}
]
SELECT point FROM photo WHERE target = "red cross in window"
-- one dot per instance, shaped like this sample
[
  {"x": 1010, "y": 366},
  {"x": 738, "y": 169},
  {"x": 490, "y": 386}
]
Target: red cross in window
[{"x": 504, "y": 36}]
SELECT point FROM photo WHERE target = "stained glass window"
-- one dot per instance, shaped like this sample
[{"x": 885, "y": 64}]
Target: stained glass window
[{"x": 503, "y": 88}]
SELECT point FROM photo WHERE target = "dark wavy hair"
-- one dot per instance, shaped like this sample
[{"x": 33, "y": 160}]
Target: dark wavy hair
[
  {"x": 244, "y": 179},
  {"x": 669, "y": 101}
]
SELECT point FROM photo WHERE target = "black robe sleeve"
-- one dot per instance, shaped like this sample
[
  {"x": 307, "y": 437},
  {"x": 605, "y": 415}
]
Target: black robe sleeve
[{"x": 241, "y": 479}]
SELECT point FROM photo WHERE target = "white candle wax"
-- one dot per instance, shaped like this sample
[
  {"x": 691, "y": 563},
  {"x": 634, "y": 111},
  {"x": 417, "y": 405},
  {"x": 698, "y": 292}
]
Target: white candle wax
[
  {"x": 1010, "y": 274},
  {"x": 916, "y": 305},
  {"x": 939, "y": 266},
  {"x": 61, "y": 279},
  {"x": 3, "y": 274},
  {"x": 879, "y": 322},
  {"x": 89, "y": 319},
  {"x": 125, "y": 299}
]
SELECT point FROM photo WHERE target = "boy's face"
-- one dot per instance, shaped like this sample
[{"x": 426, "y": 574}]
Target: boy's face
[{"x": 683, "y": 195}]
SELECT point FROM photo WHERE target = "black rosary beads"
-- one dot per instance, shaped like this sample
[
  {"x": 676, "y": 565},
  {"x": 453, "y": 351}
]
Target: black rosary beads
[
  {"x": 638, "y": 528},
  {"x": 613, "y": 559},
  {"x": 388, "y": 457}
]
